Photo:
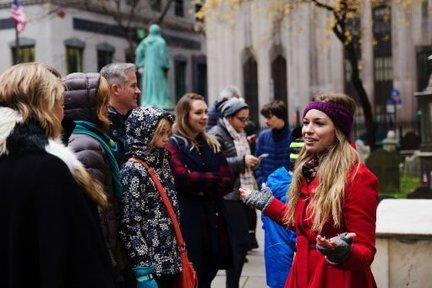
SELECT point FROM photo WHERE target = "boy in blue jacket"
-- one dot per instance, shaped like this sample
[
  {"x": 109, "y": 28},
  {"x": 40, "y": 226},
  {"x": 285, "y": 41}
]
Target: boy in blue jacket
[{"x": 279, "y": 242}]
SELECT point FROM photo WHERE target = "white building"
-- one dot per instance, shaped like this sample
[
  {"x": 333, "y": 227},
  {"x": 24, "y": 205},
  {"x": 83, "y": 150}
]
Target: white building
[
  {"x": 84, "y": 39},
  {"x": 295, "y": 56}
]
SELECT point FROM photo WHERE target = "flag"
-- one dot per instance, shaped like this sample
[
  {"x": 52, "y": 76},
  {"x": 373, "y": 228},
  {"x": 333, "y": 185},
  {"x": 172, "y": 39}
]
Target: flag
[{"x": 17, "y": 14}]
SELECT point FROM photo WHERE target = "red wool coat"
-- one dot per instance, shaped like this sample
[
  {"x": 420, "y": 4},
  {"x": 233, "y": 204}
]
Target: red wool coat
[{"x": 310, "y": 269}]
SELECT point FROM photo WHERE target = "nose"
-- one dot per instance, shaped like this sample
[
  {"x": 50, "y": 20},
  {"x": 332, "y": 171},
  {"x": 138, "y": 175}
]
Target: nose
[{"x": 307, "y": 129}]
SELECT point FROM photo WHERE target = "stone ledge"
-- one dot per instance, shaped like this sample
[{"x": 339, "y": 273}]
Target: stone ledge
[{"x": 407, "y": 218}]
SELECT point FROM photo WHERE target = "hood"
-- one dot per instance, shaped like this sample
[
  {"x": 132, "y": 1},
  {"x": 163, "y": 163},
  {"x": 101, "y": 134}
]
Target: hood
[
  {"x": 18, "y": 138},
  {"x": 279, "y": 182},
  {"x": 9, "y": 118},
  {"x": 140, "y": 128},
  {"x": 81, "y": 96}
]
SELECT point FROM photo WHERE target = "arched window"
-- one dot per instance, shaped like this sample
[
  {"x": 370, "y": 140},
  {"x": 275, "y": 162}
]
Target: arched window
[
  {"x": 250, "y": 84},
  {"x": 279, "y": 77}
]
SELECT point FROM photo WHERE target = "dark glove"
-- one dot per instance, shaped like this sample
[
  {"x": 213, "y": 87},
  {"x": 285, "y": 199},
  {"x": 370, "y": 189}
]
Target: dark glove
[
  {"x": 341, "y": 252},
  {"x": 259, "y": 199},
  {"x": 144, "y": 276}
]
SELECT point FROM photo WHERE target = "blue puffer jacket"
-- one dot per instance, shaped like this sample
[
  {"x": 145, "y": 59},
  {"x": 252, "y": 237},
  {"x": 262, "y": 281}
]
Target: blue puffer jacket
[
  {"x": 275, "y": 143},
  {"x": 279, "y": 242}
]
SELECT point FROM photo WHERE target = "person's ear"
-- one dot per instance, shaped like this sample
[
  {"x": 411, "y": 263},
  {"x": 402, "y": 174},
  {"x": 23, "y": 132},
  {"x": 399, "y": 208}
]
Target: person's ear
[{"x": 115, "y": 88}]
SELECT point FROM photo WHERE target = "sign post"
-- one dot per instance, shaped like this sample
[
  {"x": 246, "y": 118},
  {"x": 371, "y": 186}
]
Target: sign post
[{"x": 393, "y": 103}]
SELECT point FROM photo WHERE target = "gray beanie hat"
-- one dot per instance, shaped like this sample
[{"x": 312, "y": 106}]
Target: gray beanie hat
[{"x": 231, "y": 106}]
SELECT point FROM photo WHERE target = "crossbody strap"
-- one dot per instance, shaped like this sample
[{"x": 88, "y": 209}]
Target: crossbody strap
[{"x": 165, "y": 199}]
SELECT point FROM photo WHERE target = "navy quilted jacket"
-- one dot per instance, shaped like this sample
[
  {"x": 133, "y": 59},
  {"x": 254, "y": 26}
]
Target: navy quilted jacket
[{"x": 275, "y": 143}]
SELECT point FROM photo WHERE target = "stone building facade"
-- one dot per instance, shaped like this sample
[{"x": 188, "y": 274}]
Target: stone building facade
[
  {"x": 293, "y": 57},
  {"x": 83, "y": 38}
]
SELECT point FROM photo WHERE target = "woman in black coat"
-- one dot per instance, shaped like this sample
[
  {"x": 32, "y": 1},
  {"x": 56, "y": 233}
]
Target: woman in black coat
[{"x": 48, "y": 210}]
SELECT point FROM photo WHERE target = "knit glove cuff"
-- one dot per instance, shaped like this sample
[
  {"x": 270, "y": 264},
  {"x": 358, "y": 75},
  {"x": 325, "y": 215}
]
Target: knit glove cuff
[
  {"x": 341, "y": 252},
  {"x": 144, "y": 276},
  {"x": 259, "y": 199}
]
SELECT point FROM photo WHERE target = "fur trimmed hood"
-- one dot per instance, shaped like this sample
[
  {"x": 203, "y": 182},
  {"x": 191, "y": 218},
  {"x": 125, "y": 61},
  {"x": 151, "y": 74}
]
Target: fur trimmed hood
[{"x": 19, "y": 138}]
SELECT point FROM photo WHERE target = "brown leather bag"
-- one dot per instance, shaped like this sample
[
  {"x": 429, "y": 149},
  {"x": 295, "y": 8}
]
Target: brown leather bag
[{"x": 188, "y": 277}]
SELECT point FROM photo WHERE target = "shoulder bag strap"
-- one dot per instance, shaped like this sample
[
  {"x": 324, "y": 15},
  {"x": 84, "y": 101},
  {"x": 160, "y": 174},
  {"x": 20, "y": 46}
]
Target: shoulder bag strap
[{"x": 165, "y": 199}]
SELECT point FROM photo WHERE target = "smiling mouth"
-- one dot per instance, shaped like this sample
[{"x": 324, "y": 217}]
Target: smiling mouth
[{"x": 309, "y": 140}]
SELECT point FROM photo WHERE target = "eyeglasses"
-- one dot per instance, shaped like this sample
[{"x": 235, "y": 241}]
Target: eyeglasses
[{"x": 242, "y": 119}]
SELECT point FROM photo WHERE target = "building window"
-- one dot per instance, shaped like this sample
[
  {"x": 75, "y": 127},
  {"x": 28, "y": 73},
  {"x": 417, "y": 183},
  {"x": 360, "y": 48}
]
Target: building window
[
  {"x": 74, "y": 59},
  {"x": 27, "y": 54},
  {"x": 383, "y": 69},
  {"x": 105, "y": 53},
  {"x": 279, "y": 77},
  {"x": 354, "y": 29},
  {"x": 74, "y": 55},
  {"x": 199, "y": 74},
  {"x": 250, "y": 84},
  {"x": 27, "y": 51},
  {"x": 383, "y": 62},
  {"x": 178, "y": 8},
  {"x": 155, "y": 5},
  {"x": 180, "y": 64}
]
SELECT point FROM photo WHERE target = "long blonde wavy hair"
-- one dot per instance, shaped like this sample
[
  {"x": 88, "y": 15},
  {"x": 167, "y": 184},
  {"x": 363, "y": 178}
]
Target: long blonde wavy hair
[
  {"x": 182, "y": 127},
  {"x": 335, "y": 164},
  {"x": 32, "y": 89}
]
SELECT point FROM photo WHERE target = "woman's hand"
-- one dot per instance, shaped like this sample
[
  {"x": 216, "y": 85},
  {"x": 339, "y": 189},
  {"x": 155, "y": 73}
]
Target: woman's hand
[
  {"x": 330, "y": 243},
  {"x": 244, "y": 193},
  {"x": 257, "y": 199},
  {"x": 251, "y": 161},
  {"x": 336, "y": 249}
]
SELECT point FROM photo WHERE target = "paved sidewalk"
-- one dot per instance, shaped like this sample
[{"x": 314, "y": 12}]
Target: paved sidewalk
[{"x": 253, "y": 275}]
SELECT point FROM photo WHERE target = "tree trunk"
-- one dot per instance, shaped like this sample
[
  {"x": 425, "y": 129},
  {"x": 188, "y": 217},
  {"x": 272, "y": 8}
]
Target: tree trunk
[{"x": 361, "y": 92}]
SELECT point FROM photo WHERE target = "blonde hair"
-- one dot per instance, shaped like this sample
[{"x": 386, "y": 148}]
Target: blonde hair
[
  {"x": 182, "y": 126},
  {"x": 162, "y": 124},
  {"x": 334, "y": 167},
  {"x": 32, "y": 89},
  {"x": 103, "y": 97}
]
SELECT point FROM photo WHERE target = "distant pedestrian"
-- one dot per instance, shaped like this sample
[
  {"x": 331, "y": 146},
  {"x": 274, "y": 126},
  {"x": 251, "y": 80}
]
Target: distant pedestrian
[
  {"x": 213, "y": 113},
  {"x": 332, "y": 201},
  {"x": 296, "y": 144},
  {"x": 202, "y": 177},
  {"x": 273, "y": 142}
]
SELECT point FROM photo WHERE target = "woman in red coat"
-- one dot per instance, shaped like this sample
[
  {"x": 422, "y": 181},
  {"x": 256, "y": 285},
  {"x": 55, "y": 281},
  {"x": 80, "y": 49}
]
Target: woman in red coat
[{"x": 333, "y": 200}]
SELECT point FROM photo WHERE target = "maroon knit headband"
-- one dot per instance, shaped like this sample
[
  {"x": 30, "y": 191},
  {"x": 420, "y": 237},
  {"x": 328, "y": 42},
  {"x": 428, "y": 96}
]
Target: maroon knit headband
[{"x": 340, "y": 116}]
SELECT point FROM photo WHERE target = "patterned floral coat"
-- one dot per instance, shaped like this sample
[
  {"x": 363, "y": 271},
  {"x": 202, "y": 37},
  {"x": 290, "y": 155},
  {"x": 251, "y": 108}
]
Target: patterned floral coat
[{"x": 145, "y": 225}]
